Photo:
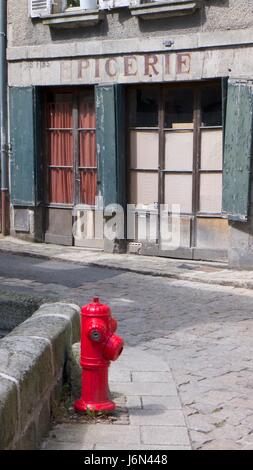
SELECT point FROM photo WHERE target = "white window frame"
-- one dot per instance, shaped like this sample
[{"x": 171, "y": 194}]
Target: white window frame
[{"x": 78, "y": 8}]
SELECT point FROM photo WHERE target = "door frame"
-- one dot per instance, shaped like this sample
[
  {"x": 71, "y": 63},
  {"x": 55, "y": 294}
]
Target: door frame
[
  {"x": 154, "y": 249},
  {"x": 77, "y": 92}
]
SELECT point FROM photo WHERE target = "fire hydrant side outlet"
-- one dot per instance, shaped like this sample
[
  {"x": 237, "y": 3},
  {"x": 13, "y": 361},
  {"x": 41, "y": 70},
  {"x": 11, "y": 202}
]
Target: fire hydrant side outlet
[{"x": 99, "y": 346}]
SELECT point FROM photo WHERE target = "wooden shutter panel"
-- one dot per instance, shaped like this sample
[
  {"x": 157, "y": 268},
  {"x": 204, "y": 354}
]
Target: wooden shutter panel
[
  {"x": 40, "y": 8},
  {"x": 110, "y": 142},
  {"x": 238, "y": 150},
  {"x": 26, "y": 147}
]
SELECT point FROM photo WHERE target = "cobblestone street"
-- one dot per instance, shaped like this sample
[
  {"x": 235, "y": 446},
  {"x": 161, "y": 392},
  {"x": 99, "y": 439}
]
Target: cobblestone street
[
  {"x": 205, "y": 335},
  {"x": 202, "y": 332}
]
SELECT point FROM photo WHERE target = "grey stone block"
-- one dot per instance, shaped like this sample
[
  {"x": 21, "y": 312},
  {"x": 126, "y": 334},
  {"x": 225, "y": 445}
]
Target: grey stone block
[
  {"x": 8, "y": 412},
  {"x": 118, "y": 375},
  {"x": 28, "y": 360},
  {"x": 53, "y": 444},
  {"x": 164, "y": 435},
  {"x": 152, "y": 377},
  {"x": 34, "y": 356},
  {"x": 136, "y": 359},
  {"x": 54, "y": 329},
  {"x": 62, "y": 309},
  {"x": 133, "y": 402},
  {"x": 147, "y": 388},
  {"x": 43, "y": 422},
  {"x": 157, "y": 417},
  {"x": 27, "y": 441},
  {"x": 74, "y": 371},
  {"x": 97, "y": 433},
  {"x": 161, "y": 403},
  {"x": 56, "y": 393}
]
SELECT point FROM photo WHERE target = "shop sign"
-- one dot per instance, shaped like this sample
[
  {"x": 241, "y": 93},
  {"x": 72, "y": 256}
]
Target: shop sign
[{"x": 124, "y": 68}]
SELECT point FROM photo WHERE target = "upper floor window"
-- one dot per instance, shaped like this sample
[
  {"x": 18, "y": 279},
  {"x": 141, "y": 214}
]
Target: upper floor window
[
  {"x": 82, "y": 4},
  {"x": 73, "y": 3},
  {"x": 141, "y": 8}
]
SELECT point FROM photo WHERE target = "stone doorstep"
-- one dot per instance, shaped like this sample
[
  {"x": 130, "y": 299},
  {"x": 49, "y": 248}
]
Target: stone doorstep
[{"x": 32, "y": 357}]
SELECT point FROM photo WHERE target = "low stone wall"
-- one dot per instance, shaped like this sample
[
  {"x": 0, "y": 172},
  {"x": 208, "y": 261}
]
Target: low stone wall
[{"x": 33, "y": 358}]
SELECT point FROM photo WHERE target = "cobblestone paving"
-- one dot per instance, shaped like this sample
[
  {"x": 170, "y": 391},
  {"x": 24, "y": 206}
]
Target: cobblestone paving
[{"x": 203, "y": 332}]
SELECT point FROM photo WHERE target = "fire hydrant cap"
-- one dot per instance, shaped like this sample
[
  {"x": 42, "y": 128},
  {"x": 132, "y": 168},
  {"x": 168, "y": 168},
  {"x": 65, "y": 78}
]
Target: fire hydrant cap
[
  {"x": 96, "y": 308},
  {"x": 113, "y": 348}
]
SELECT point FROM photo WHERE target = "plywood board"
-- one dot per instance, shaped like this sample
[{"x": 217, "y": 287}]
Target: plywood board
[
  {"x": 210, "y": 192},
  {"x": 143, "y": 188},
  {"x": 178, "y": 150},
  {"x": 178, "y": 190},
  {"x": 144, "y": 149},
  {"x": 211, "y": 149}
]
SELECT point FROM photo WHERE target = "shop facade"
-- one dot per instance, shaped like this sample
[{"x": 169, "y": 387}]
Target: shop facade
[{"x": 147, "y": 123}]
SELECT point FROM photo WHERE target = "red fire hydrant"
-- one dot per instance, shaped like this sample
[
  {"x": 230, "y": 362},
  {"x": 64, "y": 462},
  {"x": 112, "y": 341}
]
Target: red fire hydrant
[{"x": 99, "y": 346}]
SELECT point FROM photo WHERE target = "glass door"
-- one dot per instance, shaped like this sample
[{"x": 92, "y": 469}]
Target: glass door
[{"x": 70, "y": 165}]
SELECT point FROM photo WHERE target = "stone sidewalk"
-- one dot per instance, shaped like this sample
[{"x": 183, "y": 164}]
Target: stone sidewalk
[
  {"x": 154, "y": 417},
  {"x": 185, "y": 270},
  {"x": 201, "y": 329}
]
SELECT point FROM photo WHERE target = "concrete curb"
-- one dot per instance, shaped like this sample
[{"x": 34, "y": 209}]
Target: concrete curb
[
  {"x": 33, "y": 358},
  {"x": 213, "y": 273}
]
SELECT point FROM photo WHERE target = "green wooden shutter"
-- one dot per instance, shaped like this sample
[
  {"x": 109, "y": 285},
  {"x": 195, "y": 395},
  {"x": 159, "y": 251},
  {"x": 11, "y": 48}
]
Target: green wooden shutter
[
  {"x": 224, "y": 94},
  {"x": 25, "y": 160},
  {"x": 237, "y": 150},
  {"x": 110, "y": 136}
]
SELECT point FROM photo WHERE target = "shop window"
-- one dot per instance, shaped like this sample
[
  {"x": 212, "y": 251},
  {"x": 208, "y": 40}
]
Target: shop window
[
  {"x": 179, "y": 109},
  {"x": 178, "y": 190},
  {"x": 144, "y": 107},
  {"x": 71, "y": 148},
  {"x": 210, "y": 192},
  {"x": 73, "y": 3},
  {"x": 80, "y": 4},
  {"x": 177, "y": 131},
  {"x": 211, "y": 106},
  {"x": 211, "y": 146}
]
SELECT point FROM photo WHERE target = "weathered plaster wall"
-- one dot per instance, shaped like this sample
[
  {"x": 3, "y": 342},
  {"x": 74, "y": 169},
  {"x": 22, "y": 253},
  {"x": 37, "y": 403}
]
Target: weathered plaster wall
[{"x": 214, "y": 15}]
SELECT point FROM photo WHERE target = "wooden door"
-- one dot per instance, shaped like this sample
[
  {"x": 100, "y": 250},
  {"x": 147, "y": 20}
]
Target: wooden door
[{"x": 70, "y": 160}]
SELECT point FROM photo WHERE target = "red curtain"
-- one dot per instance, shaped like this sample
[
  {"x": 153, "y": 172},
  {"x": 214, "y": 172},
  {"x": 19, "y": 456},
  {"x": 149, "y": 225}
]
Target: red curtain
[
  {"x": 87, "y": 144},
  {"x": 60, "y": 149},
  {"x": 60, "y": 152}
]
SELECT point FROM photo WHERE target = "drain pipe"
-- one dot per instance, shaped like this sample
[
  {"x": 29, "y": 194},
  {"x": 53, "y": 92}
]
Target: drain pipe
[{"x": 3, "y": 114}]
